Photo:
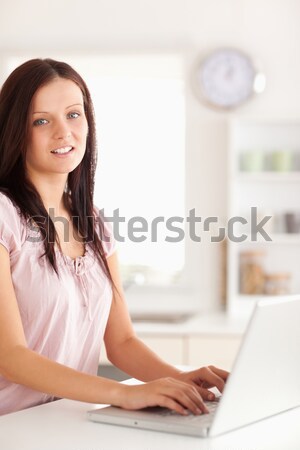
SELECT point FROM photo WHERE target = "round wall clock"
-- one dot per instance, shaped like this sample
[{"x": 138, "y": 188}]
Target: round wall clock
[{"x": 227, "y": 78}]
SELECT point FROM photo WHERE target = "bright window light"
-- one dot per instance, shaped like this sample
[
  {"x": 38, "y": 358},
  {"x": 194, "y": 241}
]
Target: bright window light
[
  {"x": 141, "y": 137},
  {"x": 140, "y": 115}
]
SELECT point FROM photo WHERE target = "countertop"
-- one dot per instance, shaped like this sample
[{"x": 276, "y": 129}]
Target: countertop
[
  {"x": 62, "y": 425},
  {"x": 213, "y": 323}
]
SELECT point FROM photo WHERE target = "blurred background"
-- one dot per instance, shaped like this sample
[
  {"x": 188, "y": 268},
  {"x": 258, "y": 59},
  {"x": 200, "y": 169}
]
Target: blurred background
[{"x": 164, "y": 150}]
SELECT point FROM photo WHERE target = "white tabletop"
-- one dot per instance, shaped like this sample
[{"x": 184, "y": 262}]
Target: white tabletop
[{"x": 62, "y": 425}]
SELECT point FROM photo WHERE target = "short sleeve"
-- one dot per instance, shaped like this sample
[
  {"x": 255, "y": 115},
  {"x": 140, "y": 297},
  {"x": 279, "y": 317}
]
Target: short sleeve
[
  {"x": 10, "y": 225},
  {"x": 105, "y": 230}
]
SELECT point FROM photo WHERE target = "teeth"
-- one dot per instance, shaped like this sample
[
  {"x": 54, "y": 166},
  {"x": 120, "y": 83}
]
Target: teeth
[{"x": 62, "y": 150}]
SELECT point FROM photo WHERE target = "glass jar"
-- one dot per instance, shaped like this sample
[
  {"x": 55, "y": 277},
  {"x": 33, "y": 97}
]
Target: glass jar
[
  {"x": 252, "y": 275},
  {"x": 277, "y": 283},
  {"x": 252, "y": 160}
]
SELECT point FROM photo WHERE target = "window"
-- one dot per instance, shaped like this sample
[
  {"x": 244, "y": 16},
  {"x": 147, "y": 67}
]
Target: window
[{"x": 140, "y": 175}]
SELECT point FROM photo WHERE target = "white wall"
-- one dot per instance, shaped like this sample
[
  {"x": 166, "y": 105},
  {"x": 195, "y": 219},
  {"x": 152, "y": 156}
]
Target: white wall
[{"x": 267, "y": 29}]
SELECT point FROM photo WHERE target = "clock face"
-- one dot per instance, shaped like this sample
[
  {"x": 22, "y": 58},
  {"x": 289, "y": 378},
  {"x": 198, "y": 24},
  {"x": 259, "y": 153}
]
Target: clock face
[{"x": 226, "y": 78}]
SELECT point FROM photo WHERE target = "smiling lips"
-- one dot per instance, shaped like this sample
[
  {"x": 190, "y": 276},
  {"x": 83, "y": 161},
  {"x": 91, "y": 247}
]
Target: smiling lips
[{"x": 62, "y": 150}]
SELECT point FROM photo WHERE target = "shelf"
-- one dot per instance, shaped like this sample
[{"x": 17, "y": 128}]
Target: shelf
[
  {"x": 286, "y": 238},
  {"x": 251, "y": 298},
  {"x": 277, "y": 239},
  {"x": 273, "y": 193},
  {"x": 293, "y": 177},
  {"x": 255, "y": 298}
]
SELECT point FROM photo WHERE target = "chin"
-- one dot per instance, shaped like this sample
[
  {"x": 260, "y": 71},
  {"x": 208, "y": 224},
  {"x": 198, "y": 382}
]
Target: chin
[{"x": 69, "y": 167}]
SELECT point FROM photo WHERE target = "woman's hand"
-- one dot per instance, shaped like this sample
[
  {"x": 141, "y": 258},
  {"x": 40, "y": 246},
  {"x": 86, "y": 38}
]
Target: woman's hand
[
  {"x": 168, "y": 392},
  {"x": 204, "y": 378}
]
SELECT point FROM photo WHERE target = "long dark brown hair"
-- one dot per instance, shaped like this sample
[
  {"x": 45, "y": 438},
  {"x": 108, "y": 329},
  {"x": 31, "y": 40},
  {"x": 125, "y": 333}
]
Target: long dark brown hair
[{"x": 15, "y": 103}]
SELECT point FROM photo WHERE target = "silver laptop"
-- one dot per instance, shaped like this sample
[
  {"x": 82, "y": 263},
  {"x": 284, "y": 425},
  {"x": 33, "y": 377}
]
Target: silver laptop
[{"x": 264, "y": 380}]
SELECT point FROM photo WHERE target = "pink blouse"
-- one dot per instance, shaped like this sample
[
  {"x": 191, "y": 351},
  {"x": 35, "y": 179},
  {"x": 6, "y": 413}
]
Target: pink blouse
[{"x": 63, "y": 318}]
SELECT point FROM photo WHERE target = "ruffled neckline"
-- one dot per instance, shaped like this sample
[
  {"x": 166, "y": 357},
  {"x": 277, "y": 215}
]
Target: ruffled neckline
[{"x": 78, "y": 265}]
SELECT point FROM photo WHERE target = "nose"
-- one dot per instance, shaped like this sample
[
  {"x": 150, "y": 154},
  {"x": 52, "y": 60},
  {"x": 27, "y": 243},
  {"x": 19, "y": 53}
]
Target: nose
[{"x": 62, "y": 130}]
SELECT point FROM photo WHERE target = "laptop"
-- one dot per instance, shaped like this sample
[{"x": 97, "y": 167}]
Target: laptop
[{"x": 264, "y": 380}]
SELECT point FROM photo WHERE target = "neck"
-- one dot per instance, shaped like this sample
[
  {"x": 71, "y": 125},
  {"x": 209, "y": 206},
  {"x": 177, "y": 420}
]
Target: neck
[{"x": 51, "y": 190}]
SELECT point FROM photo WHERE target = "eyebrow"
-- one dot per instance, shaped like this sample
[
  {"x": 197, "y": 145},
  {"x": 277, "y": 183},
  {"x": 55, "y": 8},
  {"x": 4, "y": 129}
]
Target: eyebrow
[{"x": 45, "y": 112}]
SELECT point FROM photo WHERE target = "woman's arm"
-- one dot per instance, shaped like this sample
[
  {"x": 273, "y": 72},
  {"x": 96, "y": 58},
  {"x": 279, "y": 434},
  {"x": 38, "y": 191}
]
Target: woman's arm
[
  {"x": 123, "y": 348},
  {"x": 129, "y": 354}
]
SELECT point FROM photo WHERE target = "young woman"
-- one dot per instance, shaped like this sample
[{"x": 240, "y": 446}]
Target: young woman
[{"x": 60, "y": 289}]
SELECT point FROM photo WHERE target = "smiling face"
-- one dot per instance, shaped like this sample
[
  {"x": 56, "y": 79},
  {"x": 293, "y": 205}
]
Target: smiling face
[{"x": 57, "y": 129}]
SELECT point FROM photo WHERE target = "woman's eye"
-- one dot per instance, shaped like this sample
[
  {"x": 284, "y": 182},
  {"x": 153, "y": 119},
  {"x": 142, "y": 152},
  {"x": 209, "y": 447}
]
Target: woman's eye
[
  {"x": 40, "y": 122},
  {"x": 73, "y": 115}
]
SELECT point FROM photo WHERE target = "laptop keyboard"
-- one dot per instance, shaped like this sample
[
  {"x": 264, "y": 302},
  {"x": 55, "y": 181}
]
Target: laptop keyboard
[{"x": 204, "y": 419}]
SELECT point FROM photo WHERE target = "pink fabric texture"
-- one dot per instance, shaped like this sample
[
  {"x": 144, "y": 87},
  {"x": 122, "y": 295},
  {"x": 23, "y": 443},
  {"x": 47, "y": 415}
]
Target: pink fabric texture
[{"x": 63, "y": 318}]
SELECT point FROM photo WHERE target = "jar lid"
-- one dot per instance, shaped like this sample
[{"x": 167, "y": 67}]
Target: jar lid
[
  {"x": 253, "y": 253},
  {"x": 278, "y": 276}
]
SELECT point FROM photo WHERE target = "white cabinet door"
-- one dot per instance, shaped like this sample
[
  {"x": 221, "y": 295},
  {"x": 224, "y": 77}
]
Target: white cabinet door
[
  {"x": 170, "y": 349},
  {"x": 213, "y": 350}
]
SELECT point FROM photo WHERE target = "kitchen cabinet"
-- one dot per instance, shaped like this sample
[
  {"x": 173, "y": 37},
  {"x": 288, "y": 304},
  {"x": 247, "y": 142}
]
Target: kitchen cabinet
[
  {"x": 201, "y": 341},
  {"x": 170, "y": 349},
  {"x": 194, "y": 350},
  {"x": 263, "y": 180}
]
